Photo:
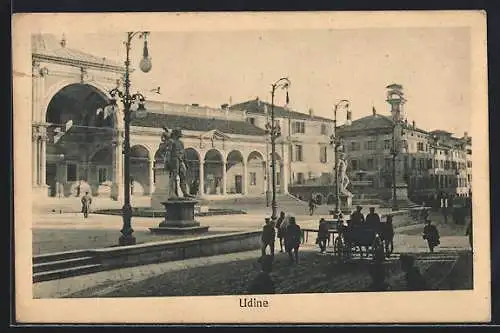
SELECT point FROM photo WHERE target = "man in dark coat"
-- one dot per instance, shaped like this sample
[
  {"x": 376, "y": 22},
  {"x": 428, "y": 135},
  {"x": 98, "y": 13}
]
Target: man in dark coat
[
  {"x": 468, "y": 232},
  {"x": 292, "y": 239},
  {"x": 322, "y": 235},
  {"x": 279, "y": 229},
  {"x": 86, "y": 201},
  {"x": 312, "y": 205},
  {"x": 373, "y": 220},
  {"x": 431, "y": 234},
  {"x": 268, "y": 236},
  {"x": 263, "y": 283},
  {"x": 357, "y": 217}
]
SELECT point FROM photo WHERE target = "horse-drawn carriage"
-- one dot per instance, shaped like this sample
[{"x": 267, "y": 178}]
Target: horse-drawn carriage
[{"x": 376, "y": 240}]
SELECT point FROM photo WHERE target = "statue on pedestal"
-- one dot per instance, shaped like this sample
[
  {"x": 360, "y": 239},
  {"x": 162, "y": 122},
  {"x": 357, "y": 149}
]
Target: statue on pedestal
[
  {"x": 175, "y": 162},
  {"x": 342, "y": 179}
]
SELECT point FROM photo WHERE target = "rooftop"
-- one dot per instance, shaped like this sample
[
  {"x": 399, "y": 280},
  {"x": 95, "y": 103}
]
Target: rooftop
[
  {"x": 48, "y": 47},
  {"x": 158, "y": 120},
  {"x": 258, "y": 106}
]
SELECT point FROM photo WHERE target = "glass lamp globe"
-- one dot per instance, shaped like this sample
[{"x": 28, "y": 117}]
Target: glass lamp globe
[{"x": 145, "y": 65}]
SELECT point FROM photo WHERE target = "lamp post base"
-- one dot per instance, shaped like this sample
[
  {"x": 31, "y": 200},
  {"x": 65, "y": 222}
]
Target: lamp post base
[{"x": 126, "y": 240}]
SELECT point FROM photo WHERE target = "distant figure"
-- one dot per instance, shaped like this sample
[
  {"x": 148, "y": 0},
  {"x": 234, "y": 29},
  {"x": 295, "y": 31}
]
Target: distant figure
[
  {"x": 373, "y": 220},
  {"x": 268, "y": 236},
  {"x": 280, "y": 231},
  {"x": 387, "y": 234},
  {"x": 195, "y": 187},
  {"x": 378, "y": 274},
  {"x": 468, "y": 232},
  {"x": 312, "y": 205},
  {"x": 323, "y": 235},
  {"x": 414, "y": 279},
  {"x": 378, "y": 249},
  {"x": 444, "y": 208},
  {"x": 263, "y": 284},
  {"x": 78, "y": 188},
  {"x": 86, "y": 202},
  {"x": 292, "y": 239},
  {"x": 357, "y": 217},
  {"x": 431, "y": 234}
]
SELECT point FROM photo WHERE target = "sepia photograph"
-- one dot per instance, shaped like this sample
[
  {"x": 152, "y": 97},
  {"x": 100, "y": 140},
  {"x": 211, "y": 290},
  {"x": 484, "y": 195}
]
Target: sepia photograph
[{"x": 251, "y": 167}]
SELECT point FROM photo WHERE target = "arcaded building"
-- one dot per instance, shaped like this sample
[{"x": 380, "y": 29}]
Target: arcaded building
[{"x": 77, "y": 147}]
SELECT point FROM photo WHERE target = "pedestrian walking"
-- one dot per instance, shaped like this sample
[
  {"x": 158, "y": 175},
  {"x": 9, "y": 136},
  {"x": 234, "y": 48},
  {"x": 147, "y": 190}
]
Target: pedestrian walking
[
  {"x": 292, "y": 240},
  {"x": 268, "y": 236},
  {"x": 312, "y": 206},
  {"x": 86, "y": 202},
  {"x": 431, "y": 234},
  {"x": 323, "y": 235},
  {"x": 468, "y": 232},
  {"x": 387, "y": 234},
  {"x": 373, "y": 220},
  {"x": 280, "y": 230},
  {"x": 444, "y": 208},
  {"x": 414, "y": 279},
  {"x": 263, "y": 283}
]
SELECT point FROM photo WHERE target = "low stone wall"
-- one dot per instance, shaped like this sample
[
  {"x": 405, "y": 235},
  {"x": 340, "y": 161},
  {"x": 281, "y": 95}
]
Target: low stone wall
[{"x": 157, "y": 252}]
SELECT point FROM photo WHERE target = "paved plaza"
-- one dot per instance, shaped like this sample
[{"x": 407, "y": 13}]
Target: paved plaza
[{"x": 55, "y": 231}]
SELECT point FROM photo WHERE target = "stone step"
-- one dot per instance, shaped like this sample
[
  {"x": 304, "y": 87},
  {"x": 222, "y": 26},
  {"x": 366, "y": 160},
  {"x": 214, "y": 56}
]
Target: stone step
[
  {"x": 66, "y": 272},
  {"x": 58, "y": 256},
  {"x": 63, "y": 264}
]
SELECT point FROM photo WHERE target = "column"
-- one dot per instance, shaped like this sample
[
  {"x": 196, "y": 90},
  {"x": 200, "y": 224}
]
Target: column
[
  {"x": 284, "y": 178},
  {"x": 117, "y": 161},
  {"x": 201, "y": 190},
  {"x": 34, "y": 156},
  {"x": 151, "y": 176},
  {"x": 224, "y": 178},
  {"x": 245, "y": 179},
  {"x": 43, "y": 158}
]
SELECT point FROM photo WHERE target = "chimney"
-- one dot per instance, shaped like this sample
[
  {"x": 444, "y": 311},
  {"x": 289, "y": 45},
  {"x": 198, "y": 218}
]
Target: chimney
[
  {"x": 466, "y": 135},
  {"x": 348, "y": 121},
  {"x": 258, "y": 100},
  {"x": 413, "y": 124},
  {"x": 374, "y": 111},
  {"x": 311, "y": 113}
]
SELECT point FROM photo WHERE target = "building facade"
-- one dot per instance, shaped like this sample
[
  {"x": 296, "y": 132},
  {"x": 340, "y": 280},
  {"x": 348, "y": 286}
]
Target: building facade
[
  {"x": 77, "y": 147},
  {"x": 431, "y": 162}
]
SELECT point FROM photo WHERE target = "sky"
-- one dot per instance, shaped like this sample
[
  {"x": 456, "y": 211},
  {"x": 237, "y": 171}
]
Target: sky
[{"x": 324, "y": 66}]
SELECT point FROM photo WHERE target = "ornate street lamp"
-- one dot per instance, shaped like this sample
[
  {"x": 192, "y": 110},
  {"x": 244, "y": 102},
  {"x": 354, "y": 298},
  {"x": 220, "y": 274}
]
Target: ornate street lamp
[
  {"x": 336, "y": 141},
  {"x": 128, "y": 101},
  {"x": 275, "y": 131}
]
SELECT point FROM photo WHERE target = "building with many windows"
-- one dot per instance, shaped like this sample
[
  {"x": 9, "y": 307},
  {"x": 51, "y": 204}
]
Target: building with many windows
[{"x": 431, "y": 162}]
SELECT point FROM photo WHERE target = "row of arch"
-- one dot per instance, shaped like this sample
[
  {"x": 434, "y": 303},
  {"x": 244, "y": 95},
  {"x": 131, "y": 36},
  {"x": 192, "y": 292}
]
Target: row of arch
[{"x": 208, "y": 173}]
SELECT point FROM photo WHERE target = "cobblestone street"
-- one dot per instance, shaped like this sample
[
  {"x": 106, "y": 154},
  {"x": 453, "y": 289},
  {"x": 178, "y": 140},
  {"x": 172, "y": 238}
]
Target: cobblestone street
[{"x": 229, "y": 273}]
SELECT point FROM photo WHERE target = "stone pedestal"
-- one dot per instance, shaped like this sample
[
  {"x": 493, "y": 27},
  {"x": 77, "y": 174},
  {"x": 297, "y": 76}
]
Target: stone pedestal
[
  {"x": 179, "y": 218},
  {"x": 161, "y": 192},
  {"x": 345, "y": 204}
]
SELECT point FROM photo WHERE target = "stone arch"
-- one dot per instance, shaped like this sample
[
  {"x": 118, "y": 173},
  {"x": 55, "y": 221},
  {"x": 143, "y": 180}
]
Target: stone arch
[
  {"x": 60, "y": 85},
  {"x": 213, "y": 165},
  {"x": 235, "y": 172},
  {"x": 100, "y": 173},
  {"x": 256, "y": 173},
  {"x": 192, "y": 158},
  {"x": 140, "y": 157},
  {"x": 330, "y": 199}
]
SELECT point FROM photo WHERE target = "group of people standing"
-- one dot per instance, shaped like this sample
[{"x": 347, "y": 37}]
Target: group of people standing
[{"x": 287, "y": 231}]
